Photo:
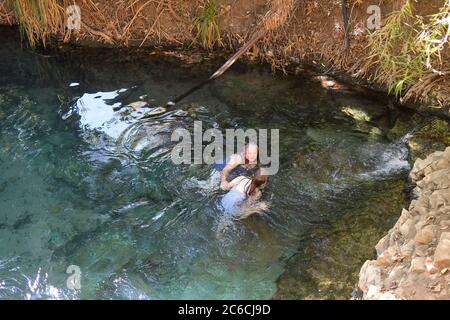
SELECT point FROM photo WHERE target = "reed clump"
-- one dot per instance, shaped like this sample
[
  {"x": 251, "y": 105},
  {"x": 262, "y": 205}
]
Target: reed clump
[
  {"x": 205, "y": 25},
  {"x": 38, "y": 19},
  {"x": 407, "y": 48}
]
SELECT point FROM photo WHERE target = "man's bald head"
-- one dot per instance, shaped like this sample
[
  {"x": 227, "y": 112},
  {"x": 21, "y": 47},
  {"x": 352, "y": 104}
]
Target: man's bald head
[{"x": 251, "y": 152}]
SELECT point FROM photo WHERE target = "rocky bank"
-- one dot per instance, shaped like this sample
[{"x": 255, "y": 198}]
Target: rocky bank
[{"x": 413, "y": 259}]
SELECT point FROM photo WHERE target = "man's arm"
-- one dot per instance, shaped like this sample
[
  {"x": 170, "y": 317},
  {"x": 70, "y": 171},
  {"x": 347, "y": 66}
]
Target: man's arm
[
  {"x": 233, "y": 182},
  {"x": 233, "y": 163}
]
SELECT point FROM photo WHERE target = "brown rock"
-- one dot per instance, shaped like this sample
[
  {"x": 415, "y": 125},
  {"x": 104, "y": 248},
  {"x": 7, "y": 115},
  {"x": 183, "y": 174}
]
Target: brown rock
[
  {"x": 428, "y": 170},
  {"x": 404, "y": 216},
  {"x": 396, "y": 274},
  {"x": 418, "y": 265},
  {"x": 382, "y": 245},
  {"x": 436, "y": 180},
  {"x": 407, "y": 249},
  {"x": 370, "y": 275},
  {"x": 430, "y": 266},
  {"x": 414, "y": 257},
  {"x": 440, "y": 164},
  {"x": 442, "y": 253},
  {"x": 421, "y": 250},
  {"x": 444, "y": 224},
  {"x": 426, "y": 235},
  {"x": 446, "y": 153},
  {"x": 407, "y": 229},
  {"x": 385, "y": 259},
  {"x": 394, "y": 237},
  {"x": 436, "y": 288},
  {"x": 412, "y": 205},
  {"x": 421, "y": 209}
]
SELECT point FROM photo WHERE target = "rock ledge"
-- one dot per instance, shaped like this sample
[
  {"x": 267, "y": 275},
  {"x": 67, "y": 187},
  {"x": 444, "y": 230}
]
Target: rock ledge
[{"x": 413, "y": 259}]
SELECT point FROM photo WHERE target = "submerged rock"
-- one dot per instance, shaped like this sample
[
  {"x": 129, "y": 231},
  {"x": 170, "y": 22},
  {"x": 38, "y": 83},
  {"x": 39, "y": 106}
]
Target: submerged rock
[
  {"x": 419, "y": 243},
  {"x": 433, "y": 136},
  {"x": 357, "y": 114},
  {"x": 442, "y": 253},
  {"x": 327, "y": 266},
  {"x": 138, "y": 105}
]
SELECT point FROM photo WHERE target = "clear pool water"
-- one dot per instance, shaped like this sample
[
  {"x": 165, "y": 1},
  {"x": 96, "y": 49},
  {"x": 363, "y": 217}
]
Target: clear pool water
[{"x": 82, "y": 184}]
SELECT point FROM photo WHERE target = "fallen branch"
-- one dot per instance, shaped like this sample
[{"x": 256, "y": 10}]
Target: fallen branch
[
  {"x": 256, "y": 36},
  {"x": 277, "y": 15},
  {"x": 107, "y": 38}
]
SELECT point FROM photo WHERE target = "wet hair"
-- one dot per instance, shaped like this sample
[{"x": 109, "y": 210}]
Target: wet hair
[{"x": 258, "y": 181}]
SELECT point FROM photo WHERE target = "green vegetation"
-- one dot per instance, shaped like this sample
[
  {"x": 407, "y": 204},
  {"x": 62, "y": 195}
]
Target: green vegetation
[
  {"x": 406, "y": 47},
  {"x": 205, "y": 25},
  {"x": 394, "y": 50},
  {"x": 435, "y": 35}
]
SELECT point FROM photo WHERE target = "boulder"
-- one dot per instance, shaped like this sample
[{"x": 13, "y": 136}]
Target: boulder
[
  {"x": 413, "y": 259},
  {"x": 418, "y": 265},
  {"x": 407, "y": 229},
  {"x": 425, "y": 236},
  {"x": 431, "y": 137},
  {"x": 442, "y": 253}
]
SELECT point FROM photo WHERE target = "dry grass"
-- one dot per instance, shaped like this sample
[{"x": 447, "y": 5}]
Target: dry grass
[
  {"x": 406, "y": 54},
  {"x": 278, "y": 14},
  {"x": 427, "y": 87},
  {"x": 127, "y": 22},
  {"x": 394, "y": 57},
  {"x": 38, "y": 19},
  {"x": 6, "y": 15},
  {"x": 435, "y": 36},
  {"x": 276, "y": 44},
  {"x": 433, "y": 40}
]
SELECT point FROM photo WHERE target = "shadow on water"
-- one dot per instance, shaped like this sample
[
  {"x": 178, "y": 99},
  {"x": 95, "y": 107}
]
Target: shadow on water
[{"x": 84, "y": 182}]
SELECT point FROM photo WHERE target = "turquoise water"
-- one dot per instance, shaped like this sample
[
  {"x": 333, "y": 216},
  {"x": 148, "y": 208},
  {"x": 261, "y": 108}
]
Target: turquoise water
[{"x": 82, "y": 184}]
